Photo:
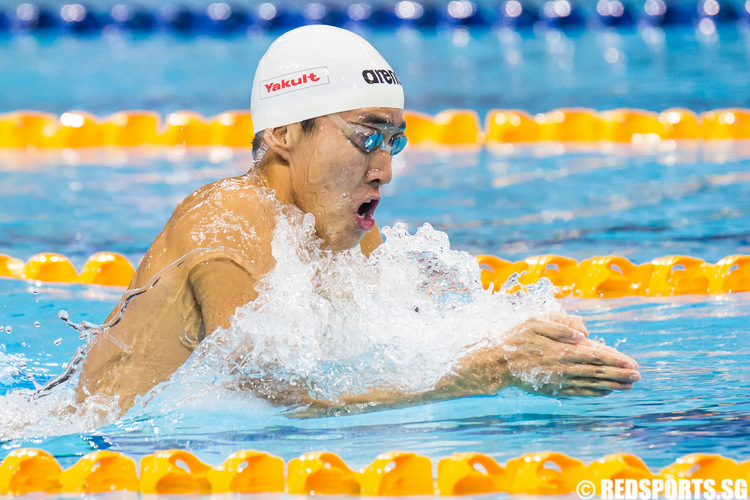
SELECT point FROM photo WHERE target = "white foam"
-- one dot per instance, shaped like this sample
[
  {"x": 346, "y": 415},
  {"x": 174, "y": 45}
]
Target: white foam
[
  {"x": 24, "y": 416},
  {"x": 9, "y": 367},
  {"x": 338, "y": 324},
  {"x": 327, "y": 324}
]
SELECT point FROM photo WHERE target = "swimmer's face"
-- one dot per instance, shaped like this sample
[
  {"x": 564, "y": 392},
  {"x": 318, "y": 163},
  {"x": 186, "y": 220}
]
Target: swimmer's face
[{"x": 335, "y": 180}]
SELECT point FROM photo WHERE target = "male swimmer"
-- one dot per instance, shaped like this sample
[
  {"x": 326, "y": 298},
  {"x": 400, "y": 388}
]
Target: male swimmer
[{"x": 328, "y": 115}]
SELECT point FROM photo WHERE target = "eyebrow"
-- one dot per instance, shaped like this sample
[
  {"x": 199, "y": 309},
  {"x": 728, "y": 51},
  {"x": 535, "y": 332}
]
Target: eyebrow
[{"x": 374, "y": 119}]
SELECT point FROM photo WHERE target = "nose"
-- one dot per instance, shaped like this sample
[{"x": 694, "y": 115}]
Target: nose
[{"x": 380, "y": 171}]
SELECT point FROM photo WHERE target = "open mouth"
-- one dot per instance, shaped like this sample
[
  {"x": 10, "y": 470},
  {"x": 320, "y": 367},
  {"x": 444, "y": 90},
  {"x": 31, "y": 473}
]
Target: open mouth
[{"x": 365, "y": 217}]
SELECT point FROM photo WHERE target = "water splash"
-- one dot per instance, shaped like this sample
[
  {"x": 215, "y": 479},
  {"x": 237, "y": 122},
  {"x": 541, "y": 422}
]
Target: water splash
[
  {"x": 327, "y": 325},
  {"x": 53, "y": 410},
  {"x": 332, "y": 326}
]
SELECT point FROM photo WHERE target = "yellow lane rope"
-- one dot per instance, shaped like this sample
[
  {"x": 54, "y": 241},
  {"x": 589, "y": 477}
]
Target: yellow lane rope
[
  {"x": 598, "y": 277},
  {"x": 453, "y": 127},
  {"x": 29, "y": 470}
]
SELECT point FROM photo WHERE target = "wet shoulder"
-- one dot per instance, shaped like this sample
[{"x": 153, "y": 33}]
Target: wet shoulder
[
  {"x": 235, "y": 213},
  {"x": 234, "y": 217}
]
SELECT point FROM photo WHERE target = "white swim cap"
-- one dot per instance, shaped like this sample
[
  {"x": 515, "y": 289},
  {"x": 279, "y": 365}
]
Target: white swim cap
[{"x": 318, "y": 70}]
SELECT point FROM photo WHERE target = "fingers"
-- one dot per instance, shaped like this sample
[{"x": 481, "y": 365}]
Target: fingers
[
  {"x": 576, "y": 391},
  {"x": 575, "y": 322},
  {"x": 556, "y": 331},
  {"x": 594, "y": 353},
  {"x": 572, "y": 364},
  {"x": 599, "y": 384},
  {"x": 591, "y": 372}
]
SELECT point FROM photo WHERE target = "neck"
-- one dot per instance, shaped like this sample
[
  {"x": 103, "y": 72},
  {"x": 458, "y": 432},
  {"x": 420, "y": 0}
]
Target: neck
[{"x": 276, "y": 176}]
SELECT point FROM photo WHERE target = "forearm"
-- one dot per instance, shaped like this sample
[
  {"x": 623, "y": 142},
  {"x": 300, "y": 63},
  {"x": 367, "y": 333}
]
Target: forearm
[
  {"x": 482, "y": 371},
  {"x": 543, "y": 357}
]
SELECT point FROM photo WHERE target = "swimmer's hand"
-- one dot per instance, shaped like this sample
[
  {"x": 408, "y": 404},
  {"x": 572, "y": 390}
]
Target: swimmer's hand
[
  {"x": 552, "y": 357},
  {"x": 555, "y": 357}
]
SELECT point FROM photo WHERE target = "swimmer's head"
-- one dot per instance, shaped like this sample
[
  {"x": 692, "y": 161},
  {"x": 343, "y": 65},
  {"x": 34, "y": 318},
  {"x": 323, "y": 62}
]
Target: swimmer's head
[
  {"x": 328, "y": 117},
  {"x": 319, "y": 70}
]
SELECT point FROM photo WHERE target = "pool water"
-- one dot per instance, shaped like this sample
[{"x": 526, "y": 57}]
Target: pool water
[
  {"x": 640, "y": 203},
  {"x": 693, "y": 398},
  {"x": 652, "y": 69},
  {"x": 693, "y": 350}
]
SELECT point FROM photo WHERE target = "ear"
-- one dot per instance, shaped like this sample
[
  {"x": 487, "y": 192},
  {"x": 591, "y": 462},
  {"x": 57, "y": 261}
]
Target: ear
[{"x": 279, "y": 140}]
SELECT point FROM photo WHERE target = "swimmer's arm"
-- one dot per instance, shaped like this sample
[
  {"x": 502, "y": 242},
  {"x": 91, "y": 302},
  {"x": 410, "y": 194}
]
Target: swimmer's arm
[
  {"x": 370, "y": 241},
  {"x": 220, "y": 286},
  {"x": 552, "y": 358}
]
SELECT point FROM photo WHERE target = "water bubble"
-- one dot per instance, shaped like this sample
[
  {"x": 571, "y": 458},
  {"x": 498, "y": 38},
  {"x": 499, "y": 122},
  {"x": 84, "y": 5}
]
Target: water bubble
[
  {"x": 314, "y": 11},
  {"x": 267, "y": 11},
  {"x": 37, "y": 324},
  {"x": 58, "y": 341},
  {"x": 73, "y": 12},
  {"x": 359, "y": 11},
  {"x": 409, "y": 10},
  {"x": 23, "y": 344},
  {"x": 27, "y": 12},
  {"x": 8, "y": 330},
  {"x": 219, "y": 11},
  {"x": 63, "y": 315}
]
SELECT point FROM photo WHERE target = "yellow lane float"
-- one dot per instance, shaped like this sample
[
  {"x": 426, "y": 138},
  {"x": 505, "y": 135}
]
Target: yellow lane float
[
  {"x": 507, "y": 126},
  {"x": 100, "y": 472},
  {"x": 566, "y": 125},
  {"x": 321, "y": 473},
  {"x": 131, "y": 128},
  {"x": 248, "y": 471},
  {"x": 599, "y": 277},
  {"x": 450, "y": 127},
  {"x": 614, "y": 276},
  {"x": 396, "y": 473},
  {"x": 174, "y": 472}
]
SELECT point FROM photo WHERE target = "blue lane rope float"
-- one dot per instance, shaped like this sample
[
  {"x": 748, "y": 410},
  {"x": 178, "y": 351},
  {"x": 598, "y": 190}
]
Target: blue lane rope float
[{"x": 228, "y": 18}]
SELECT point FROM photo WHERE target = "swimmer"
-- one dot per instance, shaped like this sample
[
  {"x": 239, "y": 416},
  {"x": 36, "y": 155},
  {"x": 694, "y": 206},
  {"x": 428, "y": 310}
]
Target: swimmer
[{"x": 328, "y": 116}]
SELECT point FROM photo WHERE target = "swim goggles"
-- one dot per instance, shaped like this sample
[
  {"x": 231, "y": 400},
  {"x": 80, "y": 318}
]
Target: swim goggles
[{"x": 369, "y": 139}]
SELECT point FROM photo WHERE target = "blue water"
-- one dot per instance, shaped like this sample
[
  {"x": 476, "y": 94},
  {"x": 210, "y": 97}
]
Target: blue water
[
  {"x": 693, "y": 353},
  {"x": 478, "y": 69},
  {"x": 693, "y": 350},
  {"x": 639, "y": 205}
]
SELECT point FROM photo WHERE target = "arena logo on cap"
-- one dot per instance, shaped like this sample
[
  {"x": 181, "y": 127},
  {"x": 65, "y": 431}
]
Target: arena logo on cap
[
  {"x": 372, "y": 76},
  {"x": 290, "y": 82}
]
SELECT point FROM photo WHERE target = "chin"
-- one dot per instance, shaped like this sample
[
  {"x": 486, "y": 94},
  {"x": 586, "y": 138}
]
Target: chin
[
  {"x": 340, "y": 242},
  {"x": 341, "y": 246},
  {"x": 338, "y": 235}
]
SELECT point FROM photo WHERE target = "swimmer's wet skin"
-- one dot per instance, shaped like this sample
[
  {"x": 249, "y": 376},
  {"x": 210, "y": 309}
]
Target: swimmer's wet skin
[{"x": 327, "y": 133}]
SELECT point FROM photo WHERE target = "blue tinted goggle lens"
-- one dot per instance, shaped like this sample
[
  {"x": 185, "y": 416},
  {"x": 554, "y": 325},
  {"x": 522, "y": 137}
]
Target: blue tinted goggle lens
[
  {"x": 398, "y": 145},
  {"x": 375, "y": 140}
]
